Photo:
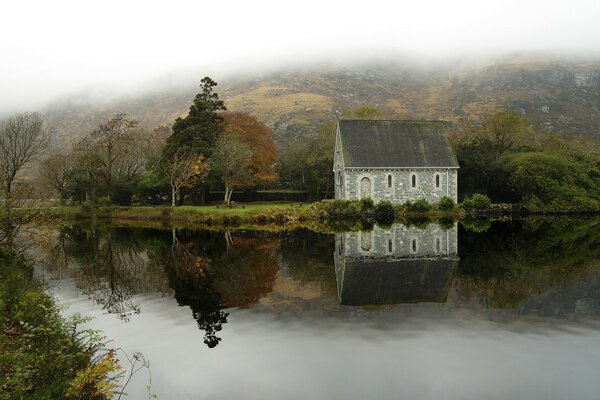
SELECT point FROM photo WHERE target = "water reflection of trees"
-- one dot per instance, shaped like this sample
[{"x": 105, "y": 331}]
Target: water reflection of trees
[
  {"x": 207, "y": 271},
  {"x": 307, "y": 257},
  {"x": 517, "y": 262},
  {"x": 192, "y": 276},
  {"x": 210, "y": 271},
  {"x": 110, "y": 266}
]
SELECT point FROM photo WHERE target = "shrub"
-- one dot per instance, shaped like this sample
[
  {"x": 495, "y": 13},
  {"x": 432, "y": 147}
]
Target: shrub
[
  {"x": 420, "y": 221},
  {"x": 43, "y": 351},
  {"x": 445, "y": 223},
  {"x": 338, "y": 209},
  {"x": 477, "y": 225},
  {"x": 366, "y": 203},
  {"x": 385, "y": 212},
  {"x": 420, "y": 205},
  {"x": 102, "y": 201},
  {"x": 477, "y": 202},
  {"x": 446, "y": 203}
]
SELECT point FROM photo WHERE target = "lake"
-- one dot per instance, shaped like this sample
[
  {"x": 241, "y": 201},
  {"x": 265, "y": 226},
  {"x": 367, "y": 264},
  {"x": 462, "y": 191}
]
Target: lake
[{"x": 500, "y": 310}]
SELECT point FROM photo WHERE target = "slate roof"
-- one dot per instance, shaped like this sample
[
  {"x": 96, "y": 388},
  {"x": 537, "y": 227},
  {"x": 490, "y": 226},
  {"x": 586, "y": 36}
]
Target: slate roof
[
  {"x": 405, "y": 280},
  {"x": 395, "y": 144}
]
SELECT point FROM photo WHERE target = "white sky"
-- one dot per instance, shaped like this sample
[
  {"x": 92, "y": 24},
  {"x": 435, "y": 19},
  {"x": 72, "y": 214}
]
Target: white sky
[{"x": 48, "y": 48}]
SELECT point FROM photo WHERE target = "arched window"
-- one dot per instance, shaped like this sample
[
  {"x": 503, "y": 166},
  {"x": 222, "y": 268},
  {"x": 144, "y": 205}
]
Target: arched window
[
  {"x": 413, "y": 180},
  {"x": 365, "y": 187},
  {"x": 365, "y": 241},
  {"x": 437, "y": 245},
  {"x": 437, "y": 180},
  {"x": 389, "y": 181},
  {"x": 390, "y": 248},
  {"x": 413, "y": 246}
]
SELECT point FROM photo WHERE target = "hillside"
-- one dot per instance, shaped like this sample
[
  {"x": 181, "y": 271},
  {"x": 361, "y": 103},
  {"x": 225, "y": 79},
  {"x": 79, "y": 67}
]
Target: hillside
[{"x": 563, "y": 96}]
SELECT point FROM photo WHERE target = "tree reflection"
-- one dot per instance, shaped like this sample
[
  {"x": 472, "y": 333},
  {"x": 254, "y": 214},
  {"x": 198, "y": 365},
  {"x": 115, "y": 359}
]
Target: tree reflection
[
  {"x": 192, "y": 277},
  {"x": 211, "y": 271},
  {"x": 207, "y": 271},
  {"x": 110, "y": 266},
  {"x": 517, "y": 261},
  {"x": 307, "y": 257}
]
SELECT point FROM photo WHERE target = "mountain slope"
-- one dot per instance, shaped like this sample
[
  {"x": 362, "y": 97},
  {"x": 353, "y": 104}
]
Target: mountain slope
[{"x": 563, "y": 96}]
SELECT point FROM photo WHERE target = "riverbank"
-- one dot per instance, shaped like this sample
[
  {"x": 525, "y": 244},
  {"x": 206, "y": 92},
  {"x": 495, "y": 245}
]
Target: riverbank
[
  {"x": 327, "y": 215},
  {"x": 41, "y": 354}
]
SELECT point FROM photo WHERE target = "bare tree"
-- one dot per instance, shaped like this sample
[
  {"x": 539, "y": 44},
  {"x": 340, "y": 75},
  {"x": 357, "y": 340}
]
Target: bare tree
[
  {"x": 108, "y": 139},
  {"x": 131, "y": 156},
  {"x": 231, "y": 160},
  {"x": 22, "y": 137},
  {"x": 184, "y": 170},
  {"x": 54, "y": 171},
  {"x": 154, "y": 146},
  {"x": 86, "y": 160}
]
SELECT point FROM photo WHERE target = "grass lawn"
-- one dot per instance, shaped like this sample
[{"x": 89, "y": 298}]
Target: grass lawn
[
  {"x": 183, "y": 213},
  {"x": 238, "y": 209}
]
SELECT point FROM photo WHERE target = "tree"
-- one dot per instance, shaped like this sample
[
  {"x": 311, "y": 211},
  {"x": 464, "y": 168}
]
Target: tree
[
  {"x": 505, "y": 128},
  {"x": 22, "y": 137},
  {"x": 55, "y": 171},
  {"x": 108, "y": 143},
  {"x": 184, "y": 170},
  {"x": 199, "y": 130},
  {"x": 482, "y": 148},
  {"x": 553, "y": 182},
  {"x": 231, "y": 160},
  {"x": 131, "y": 160},
  {"x": 87, "y": 171},
  {"x": 259, "y": 138},
  {"x": 155, "y": 145},
  {"x": 308, "y": 163}
]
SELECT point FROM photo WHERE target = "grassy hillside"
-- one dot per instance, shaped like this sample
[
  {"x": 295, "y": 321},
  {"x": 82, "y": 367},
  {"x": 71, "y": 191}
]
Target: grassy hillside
[{"x": 562, "y": 96}]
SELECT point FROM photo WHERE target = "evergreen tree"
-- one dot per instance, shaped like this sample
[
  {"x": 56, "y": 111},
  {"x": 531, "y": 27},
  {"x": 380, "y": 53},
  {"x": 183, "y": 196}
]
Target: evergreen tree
[{"x": 199, "y": 130}]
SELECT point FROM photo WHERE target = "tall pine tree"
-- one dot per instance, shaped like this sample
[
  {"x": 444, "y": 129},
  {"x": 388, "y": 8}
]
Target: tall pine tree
[{"x": 199, "y": 130}]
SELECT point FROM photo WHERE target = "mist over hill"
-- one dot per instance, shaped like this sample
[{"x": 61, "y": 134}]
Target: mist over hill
[{"x": 560, "y": 95}]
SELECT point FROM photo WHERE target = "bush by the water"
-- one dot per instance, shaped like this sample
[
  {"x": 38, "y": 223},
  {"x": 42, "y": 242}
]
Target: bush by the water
[
  {"x": 477, "y": 202},
  {"x": 477, "y": 225},
  {"x": 338, "y": 209},
  {"x": 385, "y": 212},
  {"x": 419, "y": 205},
  {"x": 40, "y": 353},
  {"x": 366, "y": 203},
  {"x": 446, "y": 203}
]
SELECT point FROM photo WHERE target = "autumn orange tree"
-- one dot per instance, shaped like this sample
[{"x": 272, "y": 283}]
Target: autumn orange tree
[{"x": 259, "y": 138}]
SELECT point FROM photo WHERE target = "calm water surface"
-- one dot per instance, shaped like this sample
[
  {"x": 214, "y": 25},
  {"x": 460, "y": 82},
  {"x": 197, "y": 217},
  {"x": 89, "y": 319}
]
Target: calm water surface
[{"x": 507, "y": 310}]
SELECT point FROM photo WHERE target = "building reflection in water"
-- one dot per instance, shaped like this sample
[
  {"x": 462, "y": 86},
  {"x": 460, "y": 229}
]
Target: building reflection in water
[{"x": 399, "y": 264}]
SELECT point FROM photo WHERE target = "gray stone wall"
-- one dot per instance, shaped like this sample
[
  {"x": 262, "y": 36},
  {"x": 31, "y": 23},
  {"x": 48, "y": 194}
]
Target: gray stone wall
[
  {"x": 401, "y": 188},
  {"x": 398, "y": 241}
]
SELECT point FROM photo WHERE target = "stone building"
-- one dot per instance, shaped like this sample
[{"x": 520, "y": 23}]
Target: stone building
[
  {"x": 394, "y": 160},
  {"x": 393, "y": 265}
]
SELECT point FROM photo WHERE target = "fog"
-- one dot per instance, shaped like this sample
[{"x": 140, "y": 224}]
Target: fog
[{"x": 113, "y": 48}]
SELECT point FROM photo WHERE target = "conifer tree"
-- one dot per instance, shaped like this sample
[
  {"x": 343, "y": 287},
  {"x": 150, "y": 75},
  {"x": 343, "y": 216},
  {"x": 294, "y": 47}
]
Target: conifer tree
[{"x": 199, "y": 130}]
